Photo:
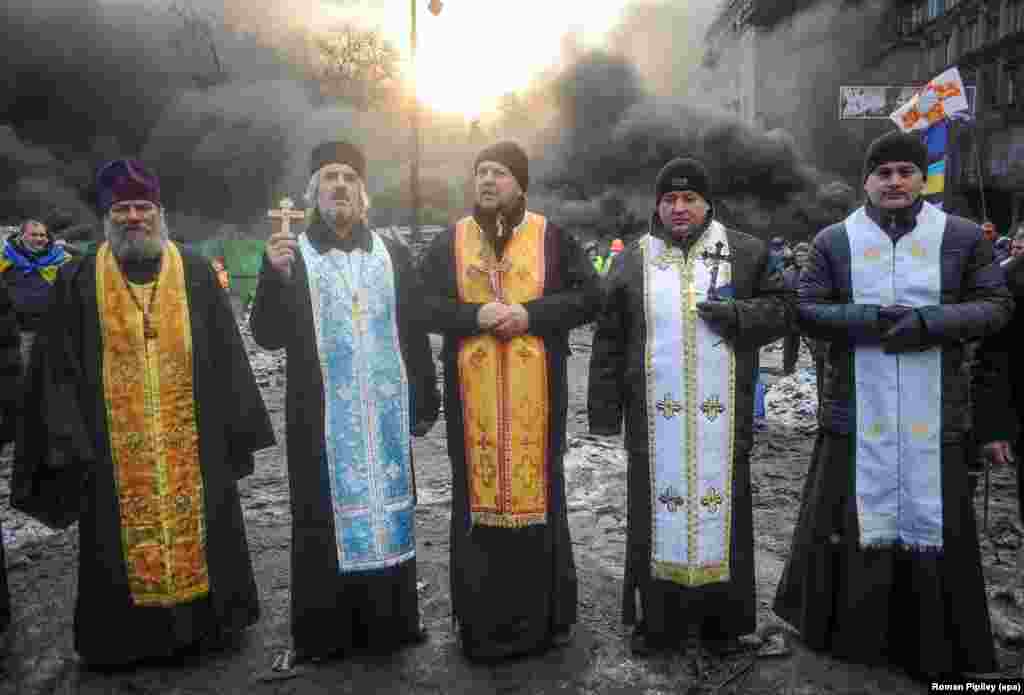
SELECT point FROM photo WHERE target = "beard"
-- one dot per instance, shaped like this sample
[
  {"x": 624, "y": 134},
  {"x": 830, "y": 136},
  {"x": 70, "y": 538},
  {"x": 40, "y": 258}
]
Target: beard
[{"x": 125, "y": 248}]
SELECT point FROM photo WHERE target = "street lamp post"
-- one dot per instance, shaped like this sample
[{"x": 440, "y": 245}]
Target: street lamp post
[{"x": 414, "y": 174}]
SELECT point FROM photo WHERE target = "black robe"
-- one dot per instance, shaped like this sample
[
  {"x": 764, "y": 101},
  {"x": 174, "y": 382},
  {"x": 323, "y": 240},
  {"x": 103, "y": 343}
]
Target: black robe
[
  {"x": 10, "y": 391},
  {"x": 618, "y": 389},
  {"x": 333, "y": 612},
  {"x": 502, "y": 609},
  {"x": 63, "y": 470}
]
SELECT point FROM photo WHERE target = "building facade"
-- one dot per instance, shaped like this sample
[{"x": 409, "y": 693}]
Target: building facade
[{"x": 781, "y": 64}]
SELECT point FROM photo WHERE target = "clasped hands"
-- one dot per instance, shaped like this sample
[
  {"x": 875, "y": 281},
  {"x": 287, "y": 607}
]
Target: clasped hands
[
  {"x": 901, "y": 327},
  {"x": 503, "y": 320}
]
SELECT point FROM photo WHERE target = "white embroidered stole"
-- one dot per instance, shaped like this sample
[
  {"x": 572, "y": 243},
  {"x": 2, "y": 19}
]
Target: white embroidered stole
[
  {"x": 366, "y": 405},
  {"x": 898, "y": 451},
  {"x": 691, "y": 414}
]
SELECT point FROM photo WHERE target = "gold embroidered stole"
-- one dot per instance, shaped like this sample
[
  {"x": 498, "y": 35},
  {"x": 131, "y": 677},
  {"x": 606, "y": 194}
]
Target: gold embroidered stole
[
  {"x": 504, "y": 383},
  {"x": 154, "y": 440}
]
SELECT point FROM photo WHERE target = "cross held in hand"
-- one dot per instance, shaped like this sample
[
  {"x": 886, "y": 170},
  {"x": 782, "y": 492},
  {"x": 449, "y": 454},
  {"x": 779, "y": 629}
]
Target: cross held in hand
[
  {"x": 493, "y": 269},
  {"x": 286, "y": 214},
  {"x": 714, "y": 259}
]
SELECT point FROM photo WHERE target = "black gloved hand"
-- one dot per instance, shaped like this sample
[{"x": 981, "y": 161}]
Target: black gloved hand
[
  {"x": 889, "y": 316},
  {"x": 905, "y": 335},
  {"x": 722, "y": 317}
]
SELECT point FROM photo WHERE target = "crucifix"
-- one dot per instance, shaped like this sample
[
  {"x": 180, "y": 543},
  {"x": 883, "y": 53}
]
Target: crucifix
[
  {"x": 714, "y": 259},
  {"x": 493, "y": 269},
  {"x": 286, "y": 214}
]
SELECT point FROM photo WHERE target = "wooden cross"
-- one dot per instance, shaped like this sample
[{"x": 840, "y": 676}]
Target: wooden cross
[
  {"x": 668, "y": 407},
  {"x": 286, "y": 214},
  {"x": 714, "y": 259},
  {"x": 712, "y": 408},
  {"x": 671, "y": 499},
  {"x": 712, "y": 500},
  {"x": 493, "y": 269}
]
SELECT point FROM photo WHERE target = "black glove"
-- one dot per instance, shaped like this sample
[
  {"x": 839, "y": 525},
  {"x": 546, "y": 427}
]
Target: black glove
[
  {"x": 722, "y": 317},
  {"x": 905, "y": 335}
]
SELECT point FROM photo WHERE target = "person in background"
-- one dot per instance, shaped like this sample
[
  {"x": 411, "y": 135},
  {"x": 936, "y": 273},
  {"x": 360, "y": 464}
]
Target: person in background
[
  {"x": 1017, "y": 245},
  {"x": 791, "y": 275},
  {"x": 616, "y": 248},
  {"x": 988, "y": 231},
  {"x": 1001, "y": 249},
  {"x": 29, "y": 267},
  {"x": 595, "y": 258}
]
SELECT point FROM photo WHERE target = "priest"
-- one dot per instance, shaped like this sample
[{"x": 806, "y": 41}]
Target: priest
[
  {"x": 675, "y": 353},
  {"x": 141, "y": 416},
  {"x": 504, "y": 286},
  {"x": 885, "y": 566},
  {"x": 343, "y": 302}
]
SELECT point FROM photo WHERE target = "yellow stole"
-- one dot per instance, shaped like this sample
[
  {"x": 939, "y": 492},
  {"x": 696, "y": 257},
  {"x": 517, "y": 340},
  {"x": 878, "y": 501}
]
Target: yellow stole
[
  {"x": 154, "y": 441},
  {"x": 504, "y": 383}
]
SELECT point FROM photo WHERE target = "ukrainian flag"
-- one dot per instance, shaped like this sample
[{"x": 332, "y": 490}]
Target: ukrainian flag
[{"x": 936, "y": 138}]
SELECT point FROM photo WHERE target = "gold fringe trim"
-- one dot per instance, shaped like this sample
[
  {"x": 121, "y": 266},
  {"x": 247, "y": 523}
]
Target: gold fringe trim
[
  {"x": 499, "y": 520},
  {"x": 688, "y": 575}
]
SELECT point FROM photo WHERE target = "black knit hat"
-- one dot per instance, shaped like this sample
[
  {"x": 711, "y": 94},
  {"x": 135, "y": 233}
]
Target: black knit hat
[
  {"x": 683, "y": 174},
  {"x": 895, "y": 146},
  {"x": 511, "y": 155},
  {"x": 339, "y": 152}
]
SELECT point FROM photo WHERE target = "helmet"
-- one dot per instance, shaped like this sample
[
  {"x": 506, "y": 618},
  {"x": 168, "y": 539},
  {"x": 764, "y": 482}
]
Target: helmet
[{"x": 617, "y": 245}]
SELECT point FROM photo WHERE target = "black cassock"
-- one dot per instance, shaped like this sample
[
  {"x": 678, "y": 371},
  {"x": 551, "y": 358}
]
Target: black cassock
[
  {"x": 332, "y": 611},
  {"x": 512, "y": 588},
  {"x": 63, "y": 470},
  {"x": 618, "y": 389},
  {"x": 10, "y": 388}
]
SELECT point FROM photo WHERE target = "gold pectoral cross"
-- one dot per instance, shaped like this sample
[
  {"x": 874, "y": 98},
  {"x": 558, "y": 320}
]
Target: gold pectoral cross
[
  {"x": 493, "y": 269},
  {"x": 358, "y": 313},
  {"x": 691, "y": 296}
]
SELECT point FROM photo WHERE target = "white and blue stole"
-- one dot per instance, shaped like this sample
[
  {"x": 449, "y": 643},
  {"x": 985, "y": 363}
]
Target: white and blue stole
[
  {"x": 366, "y": 405},
  {"x": 691, "y": 398},
  {"x": 898, "y": 449}
]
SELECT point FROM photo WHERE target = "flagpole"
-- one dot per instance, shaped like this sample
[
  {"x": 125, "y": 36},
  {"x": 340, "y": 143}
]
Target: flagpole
[{"x": 414, "y": 170}]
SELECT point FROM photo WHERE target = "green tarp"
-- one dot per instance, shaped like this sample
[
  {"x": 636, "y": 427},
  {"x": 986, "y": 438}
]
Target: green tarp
[{"x": 242, "y": 258}]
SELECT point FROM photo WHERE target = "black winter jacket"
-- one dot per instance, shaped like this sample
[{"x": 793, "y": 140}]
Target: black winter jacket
[{"x": 975, "y": 303}]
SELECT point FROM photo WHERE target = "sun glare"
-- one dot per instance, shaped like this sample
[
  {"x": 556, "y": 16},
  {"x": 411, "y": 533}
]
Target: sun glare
[{"x": 477, "y": 50}]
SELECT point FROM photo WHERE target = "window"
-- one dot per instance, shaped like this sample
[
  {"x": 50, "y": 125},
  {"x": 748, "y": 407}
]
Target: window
[{"x": 935, "y": 8}]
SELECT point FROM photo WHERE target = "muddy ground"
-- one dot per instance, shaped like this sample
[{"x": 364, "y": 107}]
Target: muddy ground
[{"x": 41, "y": 566}]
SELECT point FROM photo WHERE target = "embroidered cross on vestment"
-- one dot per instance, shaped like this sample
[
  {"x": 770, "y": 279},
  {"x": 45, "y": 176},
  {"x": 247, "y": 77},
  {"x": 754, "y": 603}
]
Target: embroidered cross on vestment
[
  {"x": 671, "y": 499},
  {"x": 712, "y": 408},
  {"x": 668, "y": 407},
  {"x": 712, "y": 500}
]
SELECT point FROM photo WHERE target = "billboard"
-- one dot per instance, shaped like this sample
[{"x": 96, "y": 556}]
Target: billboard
[{"x": 877, "y": 102}]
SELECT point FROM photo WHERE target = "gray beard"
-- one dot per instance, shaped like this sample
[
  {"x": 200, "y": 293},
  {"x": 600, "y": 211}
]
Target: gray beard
[
  {"x": 131, "y": 250},
  {"x": 329, "y": 216}
]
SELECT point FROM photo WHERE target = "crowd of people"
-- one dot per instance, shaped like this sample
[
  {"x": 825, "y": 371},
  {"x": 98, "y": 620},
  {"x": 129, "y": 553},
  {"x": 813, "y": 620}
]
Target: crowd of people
[{"x": 135, "y": 413}]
